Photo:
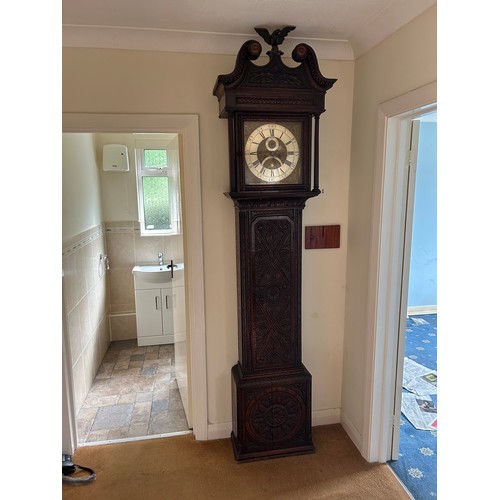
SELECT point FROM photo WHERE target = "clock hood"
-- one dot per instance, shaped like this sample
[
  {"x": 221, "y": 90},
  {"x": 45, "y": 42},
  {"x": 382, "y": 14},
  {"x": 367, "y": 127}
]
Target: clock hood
[{"x": 302, "y": 86}]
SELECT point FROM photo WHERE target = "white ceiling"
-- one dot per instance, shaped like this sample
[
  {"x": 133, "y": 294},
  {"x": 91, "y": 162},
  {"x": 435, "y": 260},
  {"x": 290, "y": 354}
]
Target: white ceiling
[{"x": 337, "y": 29}]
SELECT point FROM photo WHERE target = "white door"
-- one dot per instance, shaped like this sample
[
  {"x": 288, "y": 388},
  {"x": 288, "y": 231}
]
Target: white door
[{"x": 410, "y": 180}]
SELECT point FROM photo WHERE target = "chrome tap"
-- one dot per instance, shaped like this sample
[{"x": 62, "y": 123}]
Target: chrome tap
[{"x": 160, "y": 259}]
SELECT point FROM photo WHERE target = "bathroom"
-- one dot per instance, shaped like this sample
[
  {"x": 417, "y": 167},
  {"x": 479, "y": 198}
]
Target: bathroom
[{"x": 99, "y": 294}]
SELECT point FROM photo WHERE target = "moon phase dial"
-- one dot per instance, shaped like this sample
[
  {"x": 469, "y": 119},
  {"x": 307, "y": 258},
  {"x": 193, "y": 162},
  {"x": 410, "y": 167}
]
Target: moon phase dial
[{"x": 271, "y": 154}]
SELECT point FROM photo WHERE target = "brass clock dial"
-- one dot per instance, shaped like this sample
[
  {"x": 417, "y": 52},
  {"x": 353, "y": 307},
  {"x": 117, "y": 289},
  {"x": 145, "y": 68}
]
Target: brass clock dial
[{"x": 272, "y": 153}]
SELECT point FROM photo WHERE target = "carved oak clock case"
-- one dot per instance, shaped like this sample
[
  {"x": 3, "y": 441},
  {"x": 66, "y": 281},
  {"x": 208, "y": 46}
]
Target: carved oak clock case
[{"x": 270, "y": 110}]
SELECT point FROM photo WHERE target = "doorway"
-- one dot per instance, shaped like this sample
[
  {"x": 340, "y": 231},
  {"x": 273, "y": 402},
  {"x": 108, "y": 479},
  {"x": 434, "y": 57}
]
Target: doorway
[
  {"x": 387, "y": 278},
  {"x": 414, "y": 446},
  {"x": 187, "y": 128},
  {"x": 141, "y": 386}
]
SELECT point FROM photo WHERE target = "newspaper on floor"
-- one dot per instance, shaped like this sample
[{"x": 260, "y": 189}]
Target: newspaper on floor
[
  {"x": 418, "y": 378},
  {"x": 420, "y": 411}
]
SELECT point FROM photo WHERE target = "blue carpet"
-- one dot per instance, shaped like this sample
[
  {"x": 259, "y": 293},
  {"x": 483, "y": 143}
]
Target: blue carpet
[{"x": 416, "y": 466}]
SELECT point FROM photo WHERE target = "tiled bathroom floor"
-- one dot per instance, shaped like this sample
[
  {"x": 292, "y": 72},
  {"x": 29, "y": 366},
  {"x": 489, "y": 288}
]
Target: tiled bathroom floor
[{"x": 134, "y": 394}]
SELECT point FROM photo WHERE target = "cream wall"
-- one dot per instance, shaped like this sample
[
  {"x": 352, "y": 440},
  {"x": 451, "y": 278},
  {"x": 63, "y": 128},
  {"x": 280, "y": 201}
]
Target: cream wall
[
  {"x": 401, "y": 63},
  {"x": 124, "y": 81},
  {"x": 81, "y": 197}
]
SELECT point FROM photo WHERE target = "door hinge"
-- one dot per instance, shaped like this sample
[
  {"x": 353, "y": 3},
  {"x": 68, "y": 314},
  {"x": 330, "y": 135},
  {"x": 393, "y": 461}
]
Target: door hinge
[
  {"x": 412, "y": 164},
  {"x": 395, "y": 421}
]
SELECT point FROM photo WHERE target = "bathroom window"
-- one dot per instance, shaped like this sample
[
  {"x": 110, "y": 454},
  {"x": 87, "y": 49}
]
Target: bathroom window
[{"x": 157, "y": 188}]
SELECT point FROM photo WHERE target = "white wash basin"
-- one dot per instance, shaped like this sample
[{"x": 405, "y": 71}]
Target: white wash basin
[
  {"x": 151, "y": 274},
  {"x": 150, "y": 268},
  {"x": 145, "y": 274}
]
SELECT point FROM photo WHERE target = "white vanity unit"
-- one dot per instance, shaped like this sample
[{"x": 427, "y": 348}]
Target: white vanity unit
[{"x": 155, "y": 303}]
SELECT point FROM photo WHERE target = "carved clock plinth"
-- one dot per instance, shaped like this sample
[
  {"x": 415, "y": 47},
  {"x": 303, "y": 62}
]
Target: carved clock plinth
[
  {"x": 271, "y": 414},
  {"x": 270, "y": 109}
]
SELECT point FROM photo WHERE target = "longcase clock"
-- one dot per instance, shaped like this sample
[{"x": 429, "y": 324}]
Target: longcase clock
[{"x": 273, "y": 122}]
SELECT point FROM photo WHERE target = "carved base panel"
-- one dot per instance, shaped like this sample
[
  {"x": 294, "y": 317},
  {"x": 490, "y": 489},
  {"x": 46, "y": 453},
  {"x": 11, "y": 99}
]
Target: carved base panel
[{"x": 271, "y": 414}]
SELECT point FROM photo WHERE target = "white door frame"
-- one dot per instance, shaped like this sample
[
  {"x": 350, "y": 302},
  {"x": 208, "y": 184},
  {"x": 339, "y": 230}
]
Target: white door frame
[
  {"x": 188, "y": 127},
  {"x": 386, "y": 275}
]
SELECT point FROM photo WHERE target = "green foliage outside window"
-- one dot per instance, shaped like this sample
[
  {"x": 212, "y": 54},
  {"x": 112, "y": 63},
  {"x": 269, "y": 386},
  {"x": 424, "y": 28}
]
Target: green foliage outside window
[
  {"x": 156, "y": 203},
  {"x": 155, "y": 158}
]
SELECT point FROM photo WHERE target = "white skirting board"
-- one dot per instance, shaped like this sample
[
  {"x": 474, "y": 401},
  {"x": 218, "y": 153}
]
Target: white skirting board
[
  {"x": 326, "y": 417},
  {"x": 351, "y": 431},
  {"x": 319, "y": 417},
  {"x": 413, "y": 310}
]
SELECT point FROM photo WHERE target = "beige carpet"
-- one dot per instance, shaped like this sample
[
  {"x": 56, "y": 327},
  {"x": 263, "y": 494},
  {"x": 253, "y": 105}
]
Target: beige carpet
[{"x": 181, "y": 468}]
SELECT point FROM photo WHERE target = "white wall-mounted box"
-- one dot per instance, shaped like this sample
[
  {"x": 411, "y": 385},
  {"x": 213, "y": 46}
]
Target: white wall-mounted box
[{"x": 115, "y": 158}]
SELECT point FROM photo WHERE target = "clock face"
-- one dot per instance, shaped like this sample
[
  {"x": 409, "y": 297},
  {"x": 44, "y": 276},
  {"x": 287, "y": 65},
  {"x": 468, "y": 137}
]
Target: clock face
[{"x": 272, "y": 152}]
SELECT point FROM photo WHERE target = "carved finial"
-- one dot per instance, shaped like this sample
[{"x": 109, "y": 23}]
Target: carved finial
[{"x": 277, "y": 37}]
